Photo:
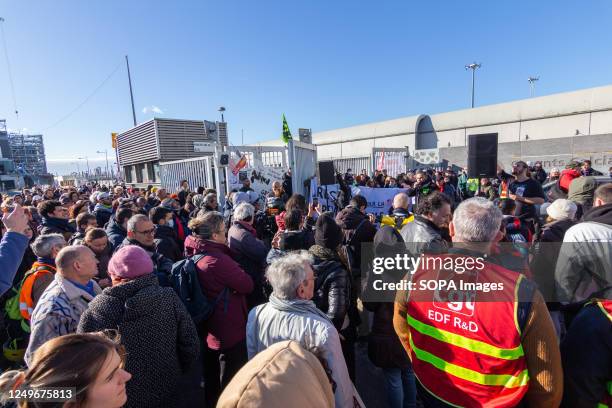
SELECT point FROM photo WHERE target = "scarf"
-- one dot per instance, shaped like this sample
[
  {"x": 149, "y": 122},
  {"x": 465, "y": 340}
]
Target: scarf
[
  {"x": 103, "y": 208},
  {"x": 46, "y": 261},
  {"x": 298, "y": 306},
  {"x": 89, "y": 288}
]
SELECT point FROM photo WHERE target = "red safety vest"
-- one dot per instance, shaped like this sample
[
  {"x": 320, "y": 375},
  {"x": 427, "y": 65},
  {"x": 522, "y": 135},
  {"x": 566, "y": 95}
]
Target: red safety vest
[
  {"x": 465, "y": 346},
  {"x": 606, "y": 307},
  {"x": 503, "y": 191}
]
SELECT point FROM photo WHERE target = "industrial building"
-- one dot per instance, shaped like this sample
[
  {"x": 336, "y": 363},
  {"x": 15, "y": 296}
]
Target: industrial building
[
  {"x": 553, "y": 129},
  {"x": 9, "y": 179},
  {"x": 28, "y": 153},
  {"x": 142, "y": 148}
]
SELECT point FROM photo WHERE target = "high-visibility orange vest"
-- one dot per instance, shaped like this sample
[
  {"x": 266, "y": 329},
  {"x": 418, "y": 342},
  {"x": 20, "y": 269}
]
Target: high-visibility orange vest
[
  {"x": 464, "y": 347},
  {"x": 503, "y": 190},
  {"x": 26, "y": 304},
  {"x": 606, "y": 307}
]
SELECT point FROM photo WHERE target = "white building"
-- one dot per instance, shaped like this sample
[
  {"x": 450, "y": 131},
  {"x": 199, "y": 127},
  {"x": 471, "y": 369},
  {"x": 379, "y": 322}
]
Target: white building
[{"x": 553, "y": 129}]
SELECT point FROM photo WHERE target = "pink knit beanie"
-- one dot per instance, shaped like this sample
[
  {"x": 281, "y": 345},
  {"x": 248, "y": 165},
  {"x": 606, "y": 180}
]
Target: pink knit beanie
[{"x": 130, "y": 262}]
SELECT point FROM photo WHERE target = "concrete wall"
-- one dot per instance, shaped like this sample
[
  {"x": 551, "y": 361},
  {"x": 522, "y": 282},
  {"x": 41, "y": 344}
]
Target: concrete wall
[{"x": 551, "y": 152}]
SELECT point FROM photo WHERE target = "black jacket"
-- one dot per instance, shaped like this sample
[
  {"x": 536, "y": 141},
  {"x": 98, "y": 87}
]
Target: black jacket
[
  {"x": 157, "y": 332},
  {"x": 423, "y": 236},
  {"x": 166, "y": 243},
  {"x": 586, "y": 354},
  {"x": 56, "y": 226},
  {"x": 116, "y": 233},
  {"x": 332, "y": 285},
  {"x": 349, "y": 219}
]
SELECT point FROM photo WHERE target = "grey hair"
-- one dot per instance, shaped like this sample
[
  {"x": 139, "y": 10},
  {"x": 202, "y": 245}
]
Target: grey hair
[
  {"x": 44, "y": 244},
  {"x": 244, "y": 211},
  {"x": 477, "y": 220},
  {"x": 285, "y": 274},
  {"x": 134, "y": 220}
]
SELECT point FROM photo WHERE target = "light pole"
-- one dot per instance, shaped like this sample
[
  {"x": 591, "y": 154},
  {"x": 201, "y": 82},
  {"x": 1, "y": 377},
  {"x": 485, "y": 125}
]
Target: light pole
[
  {"x": 106, "y": 156},
  {"x": 532, "y": 81},
  {"x": 473, "y": 66},
  {"x": 87, "y": 160},
  {"x": 78, "y": 167},
  {"x": 222, "y": 109}
]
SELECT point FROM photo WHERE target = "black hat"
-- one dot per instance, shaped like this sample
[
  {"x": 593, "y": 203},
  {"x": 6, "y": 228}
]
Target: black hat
[{"x": 327, "y": 233}]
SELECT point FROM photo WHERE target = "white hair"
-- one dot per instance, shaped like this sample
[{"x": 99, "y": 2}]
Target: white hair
[
  {"x": 43, "y": 245},
  {"x": 285, "y": 274},
  {"x": 476, "y": 220},
  {"x": 244, "y": 211}
]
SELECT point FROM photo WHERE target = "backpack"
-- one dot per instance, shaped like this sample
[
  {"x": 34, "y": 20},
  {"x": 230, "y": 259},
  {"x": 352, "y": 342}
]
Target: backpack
[
  {"x": 348, "y": 250},
  {"x": 184, "y": 280}
]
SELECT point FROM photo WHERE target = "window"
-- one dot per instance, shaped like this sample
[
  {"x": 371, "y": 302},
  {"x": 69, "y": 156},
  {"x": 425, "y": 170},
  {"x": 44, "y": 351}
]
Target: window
[
  {"x": 150, "y": 172},
  {"x": 139, "y": 172},
  {"x": 127, "y": 172}
]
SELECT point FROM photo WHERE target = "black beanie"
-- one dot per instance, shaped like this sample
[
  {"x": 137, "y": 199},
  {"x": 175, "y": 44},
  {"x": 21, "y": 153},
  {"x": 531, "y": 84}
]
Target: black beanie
[{"x": 327, "y": 233}]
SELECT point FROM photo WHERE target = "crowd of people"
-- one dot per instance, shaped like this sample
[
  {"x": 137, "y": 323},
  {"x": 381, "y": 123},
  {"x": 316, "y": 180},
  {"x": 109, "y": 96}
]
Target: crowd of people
[{"x": 118, "y": 291}]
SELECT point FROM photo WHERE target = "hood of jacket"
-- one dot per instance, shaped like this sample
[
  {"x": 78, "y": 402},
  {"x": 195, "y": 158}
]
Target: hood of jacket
[
  {"x": 164, "y": 231},
  {"x": 349, "y": 218},
  {"x": 292, "y": 240},
  {"x": 581, "y": 190},
  {"x": 115, "y": 228},
  {"x": 283, "y": 372},
  {"x": 136, "y": 297},
  {"x": 57, "y": 223},
  {"x": 103, "y": 208},
  {"x": 601, "y": 214},
  {"x": 195, "y": 245}
]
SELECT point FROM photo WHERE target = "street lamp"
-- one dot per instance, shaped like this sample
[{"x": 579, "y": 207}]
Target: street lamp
[
  {"x": 78, "y": 167},
  {"x": 106, "y": 156},
  {"x": 222, "y": 109},
  {"x": 532, "y": 81},
  {"x": 473, "y": 66},
  {"x": 87, "y": 160}
]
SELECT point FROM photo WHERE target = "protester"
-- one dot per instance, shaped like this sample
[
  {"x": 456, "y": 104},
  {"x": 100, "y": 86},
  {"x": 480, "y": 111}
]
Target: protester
[
  {"x": 332, "y": 293},
  {"x": 83, "y": 221},
  {"x": 515, "y": 229},
  {"x": 89, "y": 364},
  {"x": 400, "y": 215},
  {"x": 103, "y": 209},
  {"x": 586, "y": 352},
  {"x": 291, "y": 315},
  {"x": 59, "y": 309},
  {"x": 222, "y": 279},
  {"x": 283, "y": 372},
  {"x": 486, "y": 189},
  {"x": 538, "y": 173},
  {"x": 252, "y": 253},
  {"x": 553, "y": 175},
  {"x": 581, "y": 191},
  {"x": 97, "y": 240},
  {"x": 526, "y": 192},
  {"x": 584, "y": 267},
  {"x": 547, "y": 244},
  {"x": 183, "y": 192},
  {"x": 117, "y": 226},
  {"x": 41, "y": 274},
  {"x": 357, "y": 229},
  {"x": 587, "y": 170},
  {"x": 55, "y": 219},
  {"x": 384, "y": 348},
  {"x": 166, "y": 241},
  {"x": 12, "y": 246},
  {"x": 155, "y": 328},
  {"x": 425, "y": 233},
  {"x": 423, "y": 186},
  {"x": 141, "y": 232},
  {"x": 461, "y": 376},
  {"x": 292, "y": 237}
]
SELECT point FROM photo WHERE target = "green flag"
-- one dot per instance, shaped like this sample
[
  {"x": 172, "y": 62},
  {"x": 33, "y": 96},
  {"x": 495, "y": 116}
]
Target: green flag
[{"x": 286, "y": 132}]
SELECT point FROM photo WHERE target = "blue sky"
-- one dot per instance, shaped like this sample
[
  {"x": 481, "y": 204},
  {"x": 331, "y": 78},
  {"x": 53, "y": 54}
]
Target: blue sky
[{"x": 325, "y": 64}]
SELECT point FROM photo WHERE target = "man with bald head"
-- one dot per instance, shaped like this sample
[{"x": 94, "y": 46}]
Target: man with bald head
[
  {"x": 60, "y": 307},
  {"x": 400, "y": 215}
]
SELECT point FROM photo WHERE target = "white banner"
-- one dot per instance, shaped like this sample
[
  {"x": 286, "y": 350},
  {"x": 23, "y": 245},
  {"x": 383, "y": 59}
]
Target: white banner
[
  {"x": 261, "y": 179},
  {"x": 380, "y": 200}
]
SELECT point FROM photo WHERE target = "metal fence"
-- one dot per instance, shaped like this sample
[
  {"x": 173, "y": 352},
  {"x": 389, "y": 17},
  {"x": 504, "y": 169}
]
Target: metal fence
[
  {"x": 198, "y": 171},
  {"x": 395, "y": 160}
]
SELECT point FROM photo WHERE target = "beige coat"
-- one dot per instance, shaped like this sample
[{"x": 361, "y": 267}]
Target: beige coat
[{"x": 283, "y": 374}]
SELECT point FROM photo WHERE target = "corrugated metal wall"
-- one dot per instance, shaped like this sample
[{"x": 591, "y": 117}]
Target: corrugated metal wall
[
  {"x": 354, "y": 163},
  {"x": 176, "y": 138},
  {"x": 138, "y": 145}
]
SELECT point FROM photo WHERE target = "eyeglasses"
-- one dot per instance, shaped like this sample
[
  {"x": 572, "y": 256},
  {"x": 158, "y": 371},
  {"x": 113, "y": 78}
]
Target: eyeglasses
[{"x": 146, "y": 232}]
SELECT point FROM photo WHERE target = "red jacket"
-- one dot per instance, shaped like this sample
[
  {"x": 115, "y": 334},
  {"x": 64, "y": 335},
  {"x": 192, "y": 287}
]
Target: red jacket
[{"x": 218, "y": 270}]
